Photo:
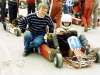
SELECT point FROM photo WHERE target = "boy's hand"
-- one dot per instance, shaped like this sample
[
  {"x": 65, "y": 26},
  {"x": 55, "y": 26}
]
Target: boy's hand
[{"x": 60, "y": 31}]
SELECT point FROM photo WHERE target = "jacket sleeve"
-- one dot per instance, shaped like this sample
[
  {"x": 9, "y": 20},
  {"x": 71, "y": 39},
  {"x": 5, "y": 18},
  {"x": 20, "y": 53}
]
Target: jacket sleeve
[
  {"x": 22, "y": 24},
  {"x": 51, "y": 26}
]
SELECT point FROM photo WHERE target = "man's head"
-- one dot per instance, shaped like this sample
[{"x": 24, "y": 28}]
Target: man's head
[{"x": 42, "y": 9}]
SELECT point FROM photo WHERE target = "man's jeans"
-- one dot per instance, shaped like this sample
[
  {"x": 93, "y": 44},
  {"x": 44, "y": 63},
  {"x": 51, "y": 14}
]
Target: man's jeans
[{"x": 32, "y": 41}]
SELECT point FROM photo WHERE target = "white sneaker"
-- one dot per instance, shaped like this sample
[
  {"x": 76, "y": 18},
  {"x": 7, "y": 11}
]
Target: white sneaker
[{"x": 94, "y": 51}]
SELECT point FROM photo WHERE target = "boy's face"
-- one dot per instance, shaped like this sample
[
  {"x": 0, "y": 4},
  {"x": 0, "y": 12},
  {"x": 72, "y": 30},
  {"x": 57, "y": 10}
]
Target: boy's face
[
  {"x": 42, "y": 12},
  {"x": 66, "y": 23}
]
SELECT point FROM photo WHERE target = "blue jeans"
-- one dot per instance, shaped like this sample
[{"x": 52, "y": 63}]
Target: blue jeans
[
  {"x": 32, "y": 41},
  {"x": 66, "y": 10}
]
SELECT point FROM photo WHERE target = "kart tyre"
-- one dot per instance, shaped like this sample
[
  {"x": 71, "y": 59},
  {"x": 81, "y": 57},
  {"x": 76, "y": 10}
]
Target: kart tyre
[
  {"x": 4, "y": 25},
  {"x": 18, "y": 32},
  {"x": 58, "y": 60},
  {"x": 97, "y": 57}
]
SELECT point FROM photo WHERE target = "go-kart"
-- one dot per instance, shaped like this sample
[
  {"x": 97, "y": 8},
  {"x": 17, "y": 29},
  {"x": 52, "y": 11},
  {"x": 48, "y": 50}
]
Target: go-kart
[
  {"x": 12, "y": 27},
  {"x": 76, "y": 56}
]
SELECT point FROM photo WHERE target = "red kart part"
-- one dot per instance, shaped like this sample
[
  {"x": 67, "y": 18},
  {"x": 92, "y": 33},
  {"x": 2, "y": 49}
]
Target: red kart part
[{"x": 45, "y": 52}]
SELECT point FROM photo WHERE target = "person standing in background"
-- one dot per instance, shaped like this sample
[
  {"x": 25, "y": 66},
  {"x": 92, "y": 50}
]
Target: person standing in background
[
  {"x": 88, "y": 4},
  {"x": 56, "y": 11},
  {"x": 30, "y": 6},
  {"x": 13, "y": 10},
  {"x": 67, "y": 6},
  {"x": 37, "y": 22},
  {"x": 95, "y": 13},
  {"x": 3, "y": 10}
]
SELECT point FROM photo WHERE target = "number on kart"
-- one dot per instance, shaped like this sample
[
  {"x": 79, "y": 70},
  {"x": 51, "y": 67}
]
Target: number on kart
[{"x": 74, "y": 42}]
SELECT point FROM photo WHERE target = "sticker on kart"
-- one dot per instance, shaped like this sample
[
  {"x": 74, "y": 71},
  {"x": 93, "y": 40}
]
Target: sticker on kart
[{"x": 74, "y": 42}]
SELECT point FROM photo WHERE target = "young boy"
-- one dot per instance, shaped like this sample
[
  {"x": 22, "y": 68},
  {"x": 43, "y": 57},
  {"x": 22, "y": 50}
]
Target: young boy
[
  {"x": 65, "y": 31},
  {"x": 37, "y": 28}
]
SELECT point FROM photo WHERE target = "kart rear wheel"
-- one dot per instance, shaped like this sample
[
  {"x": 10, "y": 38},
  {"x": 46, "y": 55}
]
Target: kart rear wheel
[
  {"x": 97, "y": 56},
  {"x": 18, "y": 32},
  {"x": 58, "y": 60},
  {"x": 4, "y": 25}
]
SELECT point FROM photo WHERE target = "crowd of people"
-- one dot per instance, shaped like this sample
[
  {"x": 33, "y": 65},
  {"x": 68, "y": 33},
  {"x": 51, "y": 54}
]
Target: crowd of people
[
  {"x": 56, "y": 9},
  {"x": 90, "y": 8},
  {"x": 37, "y": 20}
]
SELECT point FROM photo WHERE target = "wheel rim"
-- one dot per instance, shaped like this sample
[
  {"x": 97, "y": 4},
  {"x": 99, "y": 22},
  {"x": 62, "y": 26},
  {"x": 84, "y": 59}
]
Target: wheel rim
[{"x": 55, "y": 60}]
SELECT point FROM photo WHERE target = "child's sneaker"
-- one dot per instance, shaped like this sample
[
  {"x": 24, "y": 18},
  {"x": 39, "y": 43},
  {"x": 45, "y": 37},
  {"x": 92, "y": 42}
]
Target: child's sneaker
[{"x": 94, "y": 51}]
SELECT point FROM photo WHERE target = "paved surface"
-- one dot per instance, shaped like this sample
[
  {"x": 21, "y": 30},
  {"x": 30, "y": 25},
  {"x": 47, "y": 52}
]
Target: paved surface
[{"x": 13, "y": 63}]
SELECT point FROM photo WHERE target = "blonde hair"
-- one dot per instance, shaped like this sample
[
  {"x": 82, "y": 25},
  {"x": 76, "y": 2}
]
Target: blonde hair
[{"x": 43, "y": 5}]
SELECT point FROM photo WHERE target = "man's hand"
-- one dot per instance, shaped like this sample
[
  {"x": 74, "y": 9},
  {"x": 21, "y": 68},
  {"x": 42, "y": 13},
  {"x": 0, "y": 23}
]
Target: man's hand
[
  {"x": 50, "y": 34},
  {"x": 26, "y": 32}
]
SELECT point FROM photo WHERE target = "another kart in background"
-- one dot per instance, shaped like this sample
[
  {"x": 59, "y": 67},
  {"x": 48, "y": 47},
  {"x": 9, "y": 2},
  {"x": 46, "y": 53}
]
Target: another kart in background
[{"x": 12, "y": 27}]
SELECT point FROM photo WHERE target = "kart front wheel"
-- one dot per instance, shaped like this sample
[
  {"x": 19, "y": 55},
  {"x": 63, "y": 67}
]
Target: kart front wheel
[
  {"x": 97, "y": 56},
  {"x": 58, "y": 60},
  {"x": 18, "y": 32}
]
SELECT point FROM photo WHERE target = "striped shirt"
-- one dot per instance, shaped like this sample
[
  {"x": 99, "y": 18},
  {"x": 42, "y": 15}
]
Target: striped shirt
[{"x": 36, "y": 25}]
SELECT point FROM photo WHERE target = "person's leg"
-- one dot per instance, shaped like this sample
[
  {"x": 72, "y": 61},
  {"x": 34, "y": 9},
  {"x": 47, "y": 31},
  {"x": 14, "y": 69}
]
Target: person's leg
[
  {"x": 89, "y": 16},
  {"x": 11, "y": 11},
  {"x": 15, "y": 10},
  {"x": 33, "y": 7},
  {"x": 58, "y": 19},
  {"x": 84, "y": 18},
  {"x": 38, "y": 39},
  {"x": 84, "y": 22},
  {"x": 92, "y": 15},
  {"x": 95, "y": 16},
  {"x": 66, "y": 9},
  {"x": 27, "y": 40},
  {"x": 28, "y": 8},
  {"x": 53, "y": 12},
  {"x": 3, "y": 10},
  {"x": 84, "y": 43},
  {"x": 60, "y": 42},
  {"x": 55, "y": 41},
  {"x": 56, "y": 12}
]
